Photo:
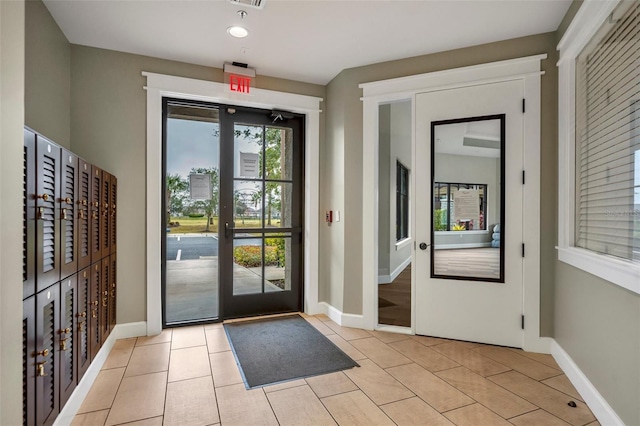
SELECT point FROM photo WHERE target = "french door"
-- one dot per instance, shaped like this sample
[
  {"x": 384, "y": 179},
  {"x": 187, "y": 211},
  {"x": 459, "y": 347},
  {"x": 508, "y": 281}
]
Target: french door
[
  {"x": 233, "y": 212},
  {"x": 469, "y": 213},
  {"x": 261, "y": 212}
]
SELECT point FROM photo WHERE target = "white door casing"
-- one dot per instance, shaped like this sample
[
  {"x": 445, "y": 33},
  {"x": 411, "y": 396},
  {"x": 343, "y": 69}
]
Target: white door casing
[
  {"x": 527, "y": 70},
  {"x": 486, "y": 312},
  {"x": 159, "y": 86}
]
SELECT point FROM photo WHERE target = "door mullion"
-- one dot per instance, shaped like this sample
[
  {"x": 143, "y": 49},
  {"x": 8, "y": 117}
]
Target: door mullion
[{"x": 225, "y": 250}]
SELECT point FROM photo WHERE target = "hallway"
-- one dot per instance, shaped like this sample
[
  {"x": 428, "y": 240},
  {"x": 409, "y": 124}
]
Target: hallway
[{"x": 188, "y": 376}]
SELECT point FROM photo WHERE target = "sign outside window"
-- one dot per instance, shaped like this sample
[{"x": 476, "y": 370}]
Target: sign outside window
[{"x": 200, "y": 186}]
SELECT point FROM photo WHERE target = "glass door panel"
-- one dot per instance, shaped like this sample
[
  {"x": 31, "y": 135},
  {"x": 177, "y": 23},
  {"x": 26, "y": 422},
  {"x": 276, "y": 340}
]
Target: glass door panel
[{"x": 190, "y": 250}]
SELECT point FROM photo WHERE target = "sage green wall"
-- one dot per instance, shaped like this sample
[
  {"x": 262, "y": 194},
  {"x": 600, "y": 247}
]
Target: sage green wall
[
  {"x": 12, "y": 66},
  {"x": 108, "y": 127},
  {"x": 47, "y": 94},
  {"x": 598, "y": 324},
  {"x": 384, "y": 189},
  {"x": 331, "y": 253},
  {"x": 568, "y": 17},
  {"x": 343, "y": 91}
]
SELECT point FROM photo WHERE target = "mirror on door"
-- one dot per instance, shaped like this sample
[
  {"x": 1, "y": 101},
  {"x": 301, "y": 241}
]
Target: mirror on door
[
  {"x": 394, "y": 207},
  {"x": 467, "y": 173}
]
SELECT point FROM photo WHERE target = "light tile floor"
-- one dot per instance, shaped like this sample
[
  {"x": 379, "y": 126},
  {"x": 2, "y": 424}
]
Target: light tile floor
[{"x": 188, "y": 376}]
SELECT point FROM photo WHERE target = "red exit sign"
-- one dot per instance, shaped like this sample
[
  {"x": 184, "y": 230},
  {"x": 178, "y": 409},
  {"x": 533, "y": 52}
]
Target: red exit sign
[{"x": 239, "y": 83}]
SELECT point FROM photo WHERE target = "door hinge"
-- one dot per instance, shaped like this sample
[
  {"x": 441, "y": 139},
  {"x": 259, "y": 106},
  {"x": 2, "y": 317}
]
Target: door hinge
[
  {"x": 523, "y": 177},
  {"x": 523, "y": 105},
  {"x": 522, "y": 249},
  {"x": 522, "y": 322}
]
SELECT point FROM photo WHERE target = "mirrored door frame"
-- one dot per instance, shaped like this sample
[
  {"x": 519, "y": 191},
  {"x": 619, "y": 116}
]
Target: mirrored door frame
[
  {"x": 406, "y": 88},
  {"x": 501, "y": 210}
]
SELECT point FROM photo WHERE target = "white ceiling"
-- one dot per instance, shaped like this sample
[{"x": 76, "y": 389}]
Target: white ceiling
[
  {"x": 450, "y": 138},
  {"x": 305, "y": 40}
]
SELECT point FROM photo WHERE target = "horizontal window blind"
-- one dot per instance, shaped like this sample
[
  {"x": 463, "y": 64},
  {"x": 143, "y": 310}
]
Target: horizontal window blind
[{"x": 607, "y": 211}]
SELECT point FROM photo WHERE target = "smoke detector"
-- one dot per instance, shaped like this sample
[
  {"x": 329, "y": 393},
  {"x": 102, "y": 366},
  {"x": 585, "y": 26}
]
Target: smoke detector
[{"x": 256, "y": 4}]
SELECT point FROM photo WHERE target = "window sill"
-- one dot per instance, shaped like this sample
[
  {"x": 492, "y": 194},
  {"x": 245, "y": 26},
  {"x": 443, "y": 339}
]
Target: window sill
[
  {"x": 403, "y": 243},
  {"x": 623, "y": 273}
]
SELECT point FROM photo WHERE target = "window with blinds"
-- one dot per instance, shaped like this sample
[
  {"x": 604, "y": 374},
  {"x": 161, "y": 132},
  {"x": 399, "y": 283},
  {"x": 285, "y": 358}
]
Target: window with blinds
[{"x": 607, "y": 211}]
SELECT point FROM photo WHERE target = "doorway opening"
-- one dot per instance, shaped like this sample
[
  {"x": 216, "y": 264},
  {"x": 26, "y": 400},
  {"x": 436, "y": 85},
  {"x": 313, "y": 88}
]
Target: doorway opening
[
  {"x": 394, "y": 214},
  {"x": 232, "y": 212}
]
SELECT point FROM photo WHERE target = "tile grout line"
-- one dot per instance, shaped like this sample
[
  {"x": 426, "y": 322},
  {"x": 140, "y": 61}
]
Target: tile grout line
[
  {"x": 339, "y": 393},
  {"x": 560, "y": 372},
  {"x": 213, "y": 380},
  {"x": 166, "y": 386},
  {"x": 462, "y": 406},
  {"x": 119, "y": 386},
  {"x": 541, "y": 409},
  {"x": 479, "y": 354},
  {"x": 544, "y": 384},
  {"x": 281, "y": 390},
  {"x": 404, "y": 399},
  {"x": 513, "y": 393},
  {"x": 270, "y": 406},
  {"x": 358, "y": 388}
]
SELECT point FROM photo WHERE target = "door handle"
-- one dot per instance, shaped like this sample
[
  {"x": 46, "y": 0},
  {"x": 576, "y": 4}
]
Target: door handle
[
  {"x": 228, "y": 229},
  {"x": 423, "y": 246}
]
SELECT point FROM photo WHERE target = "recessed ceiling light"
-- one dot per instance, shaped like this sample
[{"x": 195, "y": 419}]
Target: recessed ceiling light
[{"x": 237, "y": 31}]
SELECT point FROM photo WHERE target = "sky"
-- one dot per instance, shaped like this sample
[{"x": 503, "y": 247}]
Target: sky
[
  {"x": 191, "y": 144},
  {"x": 196, "y": 144}
]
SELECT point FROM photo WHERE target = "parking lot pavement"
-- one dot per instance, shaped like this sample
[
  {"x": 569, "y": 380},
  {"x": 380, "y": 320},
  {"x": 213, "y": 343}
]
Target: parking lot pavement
[{"x": 195, "y": 246}]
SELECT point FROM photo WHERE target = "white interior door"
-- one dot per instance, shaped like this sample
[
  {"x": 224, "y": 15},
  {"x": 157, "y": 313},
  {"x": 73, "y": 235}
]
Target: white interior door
[{"x": 468, "y": 179}]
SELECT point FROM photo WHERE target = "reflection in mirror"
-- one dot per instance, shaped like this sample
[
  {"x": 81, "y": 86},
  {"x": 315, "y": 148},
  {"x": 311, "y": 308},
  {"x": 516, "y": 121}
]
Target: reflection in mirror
[
  {"x": 467, "y": 169},
  {"x": 394, "y": 206}
]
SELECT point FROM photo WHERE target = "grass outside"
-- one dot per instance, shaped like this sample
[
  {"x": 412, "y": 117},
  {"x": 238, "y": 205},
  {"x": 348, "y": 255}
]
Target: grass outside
[
  {"x": 192, "y": 225},
  {"x": 197, "y": 225}
]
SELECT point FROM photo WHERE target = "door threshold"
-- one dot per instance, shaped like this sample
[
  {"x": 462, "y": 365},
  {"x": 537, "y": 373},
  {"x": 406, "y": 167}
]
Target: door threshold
[{"x": 394, "y": 329}]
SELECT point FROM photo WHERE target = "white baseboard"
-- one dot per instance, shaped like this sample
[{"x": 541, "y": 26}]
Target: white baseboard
[
  {"x": 130, "y": 329},
  {"x": 120, "y": 331},
  {"x": 596, "y": 402},
  {"x": 340, "y": 318},
  {"x": 355, "y": 321},
  {"x": 388, "y": 279}
]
